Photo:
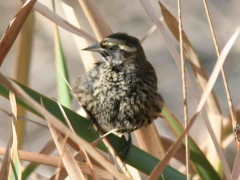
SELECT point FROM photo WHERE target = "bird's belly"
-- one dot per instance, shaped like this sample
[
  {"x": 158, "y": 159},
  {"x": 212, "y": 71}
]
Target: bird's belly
[{"x": 115, "y": 108}]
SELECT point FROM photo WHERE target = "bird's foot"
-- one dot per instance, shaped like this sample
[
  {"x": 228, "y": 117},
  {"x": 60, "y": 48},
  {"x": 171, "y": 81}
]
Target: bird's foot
[{"x": 126, "y": 147}]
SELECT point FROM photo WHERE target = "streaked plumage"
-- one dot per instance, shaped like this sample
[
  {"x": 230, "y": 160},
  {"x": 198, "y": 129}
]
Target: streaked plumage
[{"x": 120, "y": 92}]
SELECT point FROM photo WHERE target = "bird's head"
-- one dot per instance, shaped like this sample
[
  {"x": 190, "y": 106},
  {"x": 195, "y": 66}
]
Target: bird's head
[{"x": 118, "y": 48}]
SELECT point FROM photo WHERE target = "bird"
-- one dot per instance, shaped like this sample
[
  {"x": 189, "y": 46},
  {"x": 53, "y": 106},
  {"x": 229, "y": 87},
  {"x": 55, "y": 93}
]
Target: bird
[{"x": 120, "y": 92}]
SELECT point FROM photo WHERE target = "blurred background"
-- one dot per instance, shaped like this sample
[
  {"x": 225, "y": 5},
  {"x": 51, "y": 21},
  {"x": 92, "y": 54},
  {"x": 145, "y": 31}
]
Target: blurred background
[{"x": 129, "y": 16}]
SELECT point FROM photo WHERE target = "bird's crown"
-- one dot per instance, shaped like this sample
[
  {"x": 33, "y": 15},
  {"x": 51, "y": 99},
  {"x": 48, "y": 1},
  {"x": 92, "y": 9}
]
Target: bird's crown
[{"x": 121, "y": 41}]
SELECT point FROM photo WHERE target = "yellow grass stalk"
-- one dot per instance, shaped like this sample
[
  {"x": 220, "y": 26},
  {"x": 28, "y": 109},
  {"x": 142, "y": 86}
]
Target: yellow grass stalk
[
  {"x": 15, "y": 169},
  {"x": 184, "y": 87},
  {"x": 23, "y": 67}
]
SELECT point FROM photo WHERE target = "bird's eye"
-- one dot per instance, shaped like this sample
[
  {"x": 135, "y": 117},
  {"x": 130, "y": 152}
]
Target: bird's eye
[{"x": 112, "y": 48}]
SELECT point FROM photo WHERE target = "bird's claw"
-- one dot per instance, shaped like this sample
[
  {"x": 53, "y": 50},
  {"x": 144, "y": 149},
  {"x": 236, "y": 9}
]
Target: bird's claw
[{"x": 126, "y": 147}]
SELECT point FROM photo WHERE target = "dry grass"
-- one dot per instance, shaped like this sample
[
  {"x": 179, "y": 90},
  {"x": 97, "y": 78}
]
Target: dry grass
[{"x": 83, "y": 158}]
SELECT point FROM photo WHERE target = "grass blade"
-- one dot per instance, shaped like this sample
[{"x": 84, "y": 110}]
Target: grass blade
[
  {"x": 64, "y": 95},
  {"x": 154, "y": 18},
  {"x": 15, "y": 171},
  {"x": 22, "y": 68},
  {"x": 5, "y": 163},
  {"x": 67, "y": 157}
]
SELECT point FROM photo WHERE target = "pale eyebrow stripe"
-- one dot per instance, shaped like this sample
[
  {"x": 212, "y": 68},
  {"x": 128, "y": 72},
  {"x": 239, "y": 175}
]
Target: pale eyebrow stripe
[
  {"x": 127, "y": 48},
  {"x": 121, "y": 46}
]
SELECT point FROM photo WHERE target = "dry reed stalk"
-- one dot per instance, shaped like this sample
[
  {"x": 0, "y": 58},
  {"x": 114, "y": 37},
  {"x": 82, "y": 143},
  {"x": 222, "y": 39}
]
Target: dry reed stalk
[
  {"x": 15, "y": 168},
  {"x": 81, "y": 149},
  {"x": 14, "y": 28},
  {"x": 95, "y": 18},
  {"x": 68, "y": 160},
  {"x": 160, "y": 26},
  {"x": 56, "y": 161},
  {"x": 70, "y": 12},
  {"x": 229, "y": 100},
  {"x": 235, "y": 123},
  {"x": 79, "y": 157},
  {"x": 48, "y": 148},
  {"x": 150, "y": 141},
  {"x": 46, "y": 12},
  {"x": 184, "y": 87},
  {"x": 212, "y": 106},
  {"x": 159, "y": 168},
  {"x": 235, "y": 171},
  {"x": 148, "y": 33},
  {"x": 6, "y": 161},
  {"x": 67, "y": 120}
]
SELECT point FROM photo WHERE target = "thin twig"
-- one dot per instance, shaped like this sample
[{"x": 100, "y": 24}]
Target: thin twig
[
  {"x": 148, "y": 33},
  {"x": 229, "y": 99},
  {"x": 22, "y": 118},
  {"x": 184, "y": 86}
]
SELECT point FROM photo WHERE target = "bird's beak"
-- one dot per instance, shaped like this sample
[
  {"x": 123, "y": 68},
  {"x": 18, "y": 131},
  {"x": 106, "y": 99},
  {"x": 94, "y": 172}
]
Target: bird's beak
[{"x": 96, "y": 48}]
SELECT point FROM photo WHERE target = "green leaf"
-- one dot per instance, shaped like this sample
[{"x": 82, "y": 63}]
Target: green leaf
[
  {"x": 64, "y": 94},
  {"x": 137, "y": 158},
  {"x": 15, "y": 170}
]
